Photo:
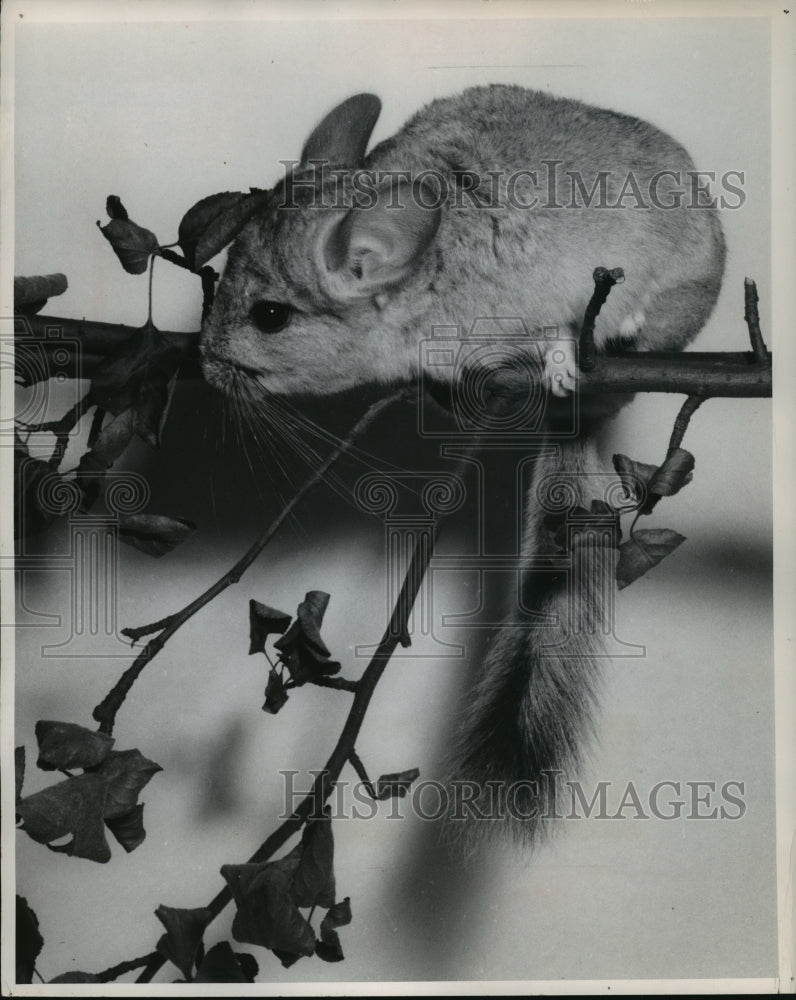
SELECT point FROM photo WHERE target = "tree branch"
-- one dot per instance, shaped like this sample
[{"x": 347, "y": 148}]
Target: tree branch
[{"x": 105, "y": 712}]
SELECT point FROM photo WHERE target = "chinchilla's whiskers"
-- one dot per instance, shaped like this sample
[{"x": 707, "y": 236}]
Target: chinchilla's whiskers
[{"x": 356, "y": 453}]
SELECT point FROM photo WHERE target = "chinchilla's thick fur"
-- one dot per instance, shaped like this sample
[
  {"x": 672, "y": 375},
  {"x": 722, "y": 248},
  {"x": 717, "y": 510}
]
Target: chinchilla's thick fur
[{"x": 499, "y": 203}]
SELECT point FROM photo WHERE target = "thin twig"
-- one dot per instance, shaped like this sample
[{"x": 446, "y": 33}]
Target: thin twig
[
  {"x": 115, "y": 971},
  {"x": 338, "y": 683},
  {"x": 687, "y": 410},
  {"x": 362, "y": 773},
  {"x": 105, "y": 712},
  {"x": 604, "y": 281},
  {"x": 752, "y": 317},
  {"x": 62, "y": 428},
  {"x": 324, "y": 783},
  {"x": 138, "y": 632}
]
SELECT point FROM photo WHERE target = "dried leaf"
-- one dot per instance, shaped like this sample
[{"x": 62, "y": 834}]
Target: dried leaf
[
  {"x": 264, "y": 621},
  {"x": 275, "y": 693},
  {"x": 131, "y": 243},
  {"x": 313, "y": 881},
  {"x": 19, "y": 771},
  {"x": 266, "y": 914},
  {"x": 675, "y": 473},
  {"x": 154, "y": 534},
  {"x": 329, "y": 948},
  {"x": 64, "y": 746},
  {"x": 636, "y": 477},
  {"x": 29, "y": 941},
  {"x": 213, "y": 222},
  {"x": 183, "y": 938},
  {"x": 222, "y": 965},
  {"x": 76, "y": 977},
  {"x": 642, "y": 551},
  {"x": 80, "y": 806},
  {"x": 128, "y": 829},
  {"x": 396, "y": 786},
  {"x": 303, "y": 650}
]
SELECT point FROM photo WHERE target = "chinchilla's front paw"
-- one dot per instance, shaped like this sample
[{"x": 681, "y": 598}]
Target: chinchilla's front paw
[{"x": 561, "y": 369}]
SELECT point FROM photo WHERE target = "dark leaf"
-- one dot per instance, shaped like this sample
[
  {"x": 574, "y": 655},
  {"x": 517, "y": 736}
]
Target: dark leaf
[
  {"x": 19, "y": 771},
  {"x": 266, "y": 914},
  {"x": 131, "y": 243},
  {"x": 64, "y": 746},
  {"x": 212, "y": 223},
  {"x": 275, "y": 694},
  {"x": 184, "y": 930},
  {"x": 75, "y": 806},
  {"x": 152, "y": 405},
  {"x": 635, "y": 477},
  {"x": 113, "y": 439},
  {"x": 29, "y": 941},
  {"x": 602, "y": 509},
  {"x": 222, "y": 965},
  {"x": 115, "y": 208},
  {"x": 642, "y": 551},
  {"x": 310, "y": 615},
  {"x": 264, "y": 621},
  {"x": 80, "y": 806},
  {"x": 329, "y": 948},
  {"x": 395, "y": 786},
  {"x": 76, "y": 977},
  {"x": 303, "y": 650},
  {"x": 116, "y": 380},
  {"x": 32, "y": 514},
  {"x": 129, "y": 829},
  {"x": 674, "y": 474},
  {"x": 313, "y": 881},
  {"x": 154, "y": 534},
  {"x": 125, "y": 772}
]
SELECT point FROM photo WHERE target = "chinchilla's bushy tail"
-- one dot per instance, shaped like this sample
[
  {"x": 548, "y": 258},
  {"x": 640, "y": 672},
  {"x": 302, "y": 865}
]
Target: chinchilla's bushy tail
[{"x": 528, "y": 720}]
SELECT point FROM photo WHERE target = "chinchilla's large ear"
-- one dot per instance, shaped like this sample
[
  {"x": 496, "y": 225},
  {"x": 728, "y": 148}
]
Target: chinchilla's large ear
[
  {"x": 342, "y": 137},
  {"x": 375, "y": 247}
]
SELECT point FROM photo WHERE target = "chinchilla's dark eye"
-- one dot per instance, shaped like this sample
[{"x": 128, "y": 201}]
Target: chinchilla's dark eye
[{"x": 270, "y": 317}]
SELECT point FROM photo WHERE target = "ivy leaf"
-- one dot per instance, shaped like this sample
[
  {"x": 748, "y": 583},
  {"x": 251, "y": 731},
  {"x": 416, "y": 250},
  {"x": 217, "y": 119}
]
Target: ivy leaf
[
  {"x": 64, "y": 745},
  {"x": 313, "y": 881},
  {"x": 266, "y": 913},
  {"x": 636, "y": 478},
  {"x": 128, "y": 829},
  {"x": 75, "y": 806},
  {"x": 80, "y": 805},
  {"x": 19, "y": 771},
  {"x": 31, "y": 516},
  {"x": 29, "y": 941},
  {"x": 183, "y": 938},
  {"x": 264, "y": 621},
  {"x": 303, "y": 650},
  {"x": 155, "y": 534},
  {"x": 275, "y": 693},
  {"x": 162, "y": 360},
  {"x": 222, "y": 965},
  {"x": 213, "y": 222},
  {"x": 396, "y": 786},
  {"x": 131, "y": 243},
  {"x": 329, "y": 948},
  {"x": 643, "y": 550},
  {"x": 112, "y": 441},
  {"x": 76, "y": 977},
  {"x": 125, "y": 772},
  {"x": 675, "y": 473}
]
